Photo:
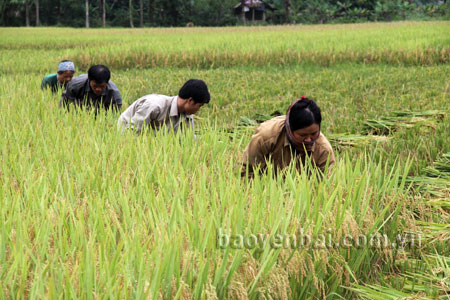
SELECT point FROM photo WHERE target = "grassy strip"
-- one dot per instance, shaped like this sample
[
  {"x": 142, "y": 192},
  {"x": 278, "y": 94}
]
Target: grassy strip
[
  {"x": 368, "y": 36},
  {"x": 143, "y": 58}
]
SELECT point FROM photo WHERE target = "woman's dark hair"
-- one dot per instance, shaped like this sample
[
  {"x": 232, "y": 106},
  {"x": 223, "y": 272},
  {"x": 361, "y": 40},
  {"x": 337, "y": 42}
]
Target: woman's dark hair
[
  {"x": 304, "y": 113},
  {"x": 99, "y": 73},
  {"x": 195, "y": 88}
]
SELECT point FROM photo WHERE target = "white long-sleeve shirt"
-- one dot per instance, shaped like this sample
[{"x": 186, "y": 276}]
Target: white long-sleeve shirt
[{"x": 155, "y": 111}]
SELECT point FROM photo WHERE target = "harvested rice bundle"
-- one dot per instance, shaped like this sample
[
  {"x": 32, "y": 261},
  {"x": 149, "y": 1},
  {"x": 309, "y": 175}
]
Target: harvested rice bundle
[
  {"x": 440, "y": 168},
  {"x": 403, "y": 119},
  {"x": 435, "y": 179},
  {"x": 340, "y": 140}
]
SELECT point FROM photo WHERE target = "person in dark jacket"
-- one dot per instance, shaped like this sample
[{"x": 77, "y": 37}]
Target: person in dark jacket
[{"x": 93, "y": 91}]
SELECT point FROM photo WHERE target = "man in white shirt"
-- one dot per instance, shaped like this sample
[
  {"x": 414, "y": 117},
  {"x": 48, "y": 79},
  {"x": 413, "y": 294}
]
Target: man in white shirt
[{"x": 157, "y": 111}]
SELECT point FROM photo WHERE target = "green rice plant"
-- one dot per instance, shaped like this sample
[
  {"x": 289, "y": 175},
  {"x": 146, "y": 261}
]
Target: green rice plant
[
  {"x": 400, "y": 44},
  {"x": 88, "y": 212},
  {"x": 120, "y": 227}
]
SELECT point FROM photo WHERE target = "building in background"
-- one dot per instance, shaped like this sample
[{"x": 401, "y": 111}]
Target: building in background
[{"x": 255, "y": 10}]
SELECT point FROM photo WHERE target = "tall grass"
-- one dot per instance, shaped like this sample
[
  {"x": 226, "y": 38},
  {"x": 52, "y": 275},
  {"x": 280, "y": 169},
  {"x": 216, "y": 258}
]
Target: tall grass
[
  {"x": 134, "y": 217},
  {"x": 88, "y": 212},
  {"x": 403, "y": 43}
]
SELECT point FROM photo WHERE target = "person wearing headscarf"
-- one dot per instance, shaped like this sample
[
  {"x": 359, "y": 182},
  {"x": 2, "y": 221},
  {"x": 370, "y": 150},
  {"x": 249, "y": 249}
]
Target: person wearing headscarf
[
  {"x": 59, "y": 80},
  {"x": 295, "y": 136}
]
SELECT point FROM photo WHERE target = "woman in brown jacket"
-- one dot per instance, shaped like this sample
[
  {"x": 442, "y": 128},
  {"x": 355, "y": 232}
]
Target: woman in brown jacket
[{"x": 294, "y": 136}]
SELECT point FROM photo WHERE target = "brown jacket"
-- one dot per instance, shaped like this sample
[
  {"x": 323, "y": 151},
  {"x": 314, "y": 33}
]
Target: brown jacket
[{"x": 270, "y": 143}]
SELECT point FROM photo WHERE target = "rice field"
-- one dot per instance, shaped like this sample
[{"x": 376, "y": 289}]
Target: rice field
[{"x": 90, "y": 213}]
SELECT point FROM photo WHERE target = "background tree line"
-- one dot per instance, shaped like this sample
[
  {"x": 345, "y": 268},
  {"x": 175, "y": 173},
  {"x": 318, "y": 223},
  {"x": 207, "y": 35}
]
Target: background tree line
[{"x": 144, "y": 13}]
